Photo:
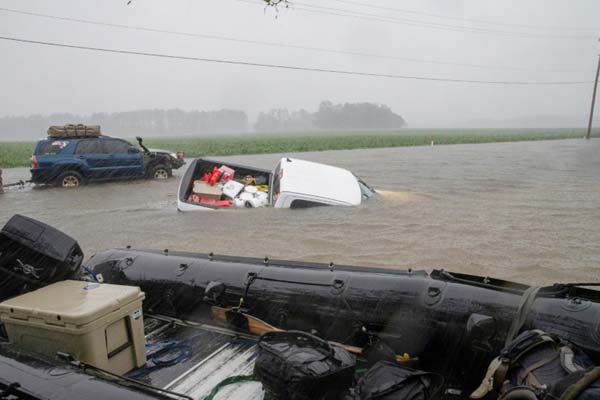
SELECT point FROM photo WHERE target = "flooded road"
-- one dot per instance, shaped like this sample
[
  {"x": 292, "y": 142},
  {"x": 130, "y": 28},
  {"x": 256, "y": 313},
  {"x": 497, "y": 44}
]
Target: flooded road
[{"x": 527, "y": 211}]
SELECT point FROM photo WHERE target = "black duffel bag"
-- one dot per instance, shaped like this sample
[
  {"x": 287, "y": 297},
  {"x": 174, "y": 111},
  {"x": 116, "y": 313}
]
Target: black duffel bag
[
  {"x": 295, "y": 365},
  {"x": 388, "y": 381}
]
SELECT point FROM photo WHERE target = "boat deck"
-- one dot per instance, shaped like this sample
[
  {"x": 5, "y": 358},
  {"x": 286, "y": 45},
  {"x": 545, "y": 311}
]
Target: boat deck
[{"x": 213, "y": 354}]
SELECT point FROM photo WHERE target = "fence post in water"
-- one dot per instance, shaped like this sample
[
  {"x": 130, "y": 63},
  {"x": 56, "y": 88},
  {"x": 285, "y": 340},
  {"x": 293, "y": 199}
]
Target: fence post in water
[{"x": 1, "y": 187}]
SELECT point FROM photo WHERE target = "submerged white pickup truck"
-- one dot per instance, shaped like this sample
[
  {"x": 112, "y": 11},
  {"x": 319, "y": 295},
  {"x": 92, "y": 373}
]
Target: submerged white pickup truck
[{"x": 292, "y": 183}]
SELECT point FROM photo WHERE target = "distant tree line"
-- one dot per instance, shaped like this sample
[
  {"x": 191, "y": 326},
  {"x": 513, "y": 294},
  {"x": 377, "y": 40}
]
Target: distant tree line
[
  {"x": 130, "y": 123},
  {"x": 180, "y": 122},
  {"x": 331, "y": 116}
]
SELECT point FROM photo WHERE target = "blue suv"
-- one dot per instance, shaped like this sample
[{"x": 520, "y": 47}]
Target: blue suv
[{"x": 72, "y": 161}]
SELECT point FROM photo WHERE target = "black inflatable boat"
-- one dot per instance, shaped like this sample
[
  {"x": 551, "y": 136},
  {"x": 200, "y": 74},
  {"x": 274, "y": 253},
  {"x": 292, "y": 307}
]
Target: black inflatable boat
[{"x": 207, "y": 312}]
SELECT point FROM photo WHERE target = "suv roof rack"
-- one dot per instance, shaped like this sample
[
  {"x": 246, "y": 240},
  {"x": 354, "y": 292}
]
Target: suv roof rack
[
  {"x": 74, "y": 131},
  {"x": 65, "y": 137}
]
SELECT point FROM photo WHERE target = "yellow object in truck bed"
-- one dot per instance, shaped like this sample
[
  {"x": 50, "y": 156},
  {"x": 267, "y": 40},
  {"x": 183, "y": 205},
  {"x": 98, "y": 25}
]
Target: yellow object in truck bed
[{"x": 99, "y": 324}]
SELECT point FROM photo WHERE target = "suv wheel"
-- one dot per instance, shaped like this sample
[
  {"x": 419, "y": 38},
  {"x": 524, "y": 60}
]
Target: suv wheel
[
  {"x": 160, "y": 172},
  {"x": 70, "y": 179}
]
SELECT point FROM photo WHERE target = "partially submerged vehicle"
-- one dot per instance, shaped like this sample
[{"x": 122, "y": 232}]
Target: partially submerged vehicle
[
  {"x": 74, "y": 330},
  {"x": 293, "y": 183}
]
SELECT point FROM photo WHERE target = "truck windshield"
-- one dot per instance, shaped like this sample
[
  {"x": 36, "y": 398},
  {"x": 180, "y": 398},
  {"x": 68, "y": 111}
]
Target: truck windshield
[{"x": 365, "y": 190}]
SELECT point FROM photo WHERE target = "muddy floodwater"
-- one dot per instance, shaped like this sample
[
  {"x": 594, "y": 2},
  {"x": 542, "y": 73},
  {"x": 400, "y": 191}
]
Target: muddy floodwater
[{"x": 527, "y": 211}]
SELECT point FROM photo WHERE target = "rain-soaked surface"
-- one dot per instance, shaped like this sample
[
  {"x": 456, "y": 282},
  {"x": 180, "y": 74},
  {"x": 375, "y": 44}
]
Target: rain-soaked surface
[{"x": 526, "y": 211}]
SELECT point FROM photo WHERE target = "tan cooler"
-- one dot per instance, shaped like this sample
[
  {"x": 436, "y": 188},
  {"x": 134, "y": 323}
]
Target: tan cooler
[{"x": 99, "y": 324}]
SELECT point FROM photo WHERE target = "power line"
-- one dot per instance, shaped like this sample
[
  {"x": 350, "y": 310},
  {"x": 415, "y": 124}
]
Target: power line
[
  {"x": 479, "y": 21},
  {"x": 277, "y": 44},
  {"x": 439, "y": 26},
  {"x": 317, "y": 9},
  {"x": 288, "y": 67}
]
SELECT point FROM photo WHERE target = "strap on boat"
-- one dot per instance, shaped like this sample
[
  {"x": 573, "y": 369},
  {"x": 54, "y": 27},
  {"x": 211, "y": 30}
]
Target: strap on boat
[
  {"x": 526, "y": 302},
  {"x": 587, "y": 380},
  {"x": 528, "y": 377},
  {"x": 567, "y": 360},
  {"x": 487, "y": 385}
]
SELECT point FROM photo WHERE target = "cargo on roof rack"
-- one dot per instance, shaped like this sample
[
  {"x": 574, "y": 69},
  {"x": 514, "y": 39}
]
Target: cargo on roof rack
[{"x": 72, "y": 130}]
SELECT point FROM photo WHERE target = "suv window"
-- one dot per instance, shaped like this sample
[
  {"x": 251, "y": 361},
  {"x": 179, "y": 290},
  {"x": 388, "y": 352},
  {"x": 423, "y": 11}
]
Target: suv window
[
  {"x": 116, "y": 146},
  {"x": 89, "y": 146},
  {"x": 51, "y": 147}
]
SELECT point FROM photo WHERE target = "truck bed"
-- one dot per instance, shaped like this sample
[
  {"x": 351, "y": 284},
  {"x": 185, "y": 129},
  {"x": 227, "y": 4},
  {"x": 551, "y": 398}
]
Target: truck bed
[{"x": 200, "y": 166}]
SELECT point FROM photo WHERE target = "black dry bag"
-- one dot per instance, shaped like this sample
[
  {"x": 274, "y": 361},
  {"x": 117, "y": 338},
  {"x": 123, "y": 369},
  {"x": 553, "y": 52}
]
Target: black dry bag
[
  {"x": 388, "y": 381},
  {"x": 295, "y": 365}
]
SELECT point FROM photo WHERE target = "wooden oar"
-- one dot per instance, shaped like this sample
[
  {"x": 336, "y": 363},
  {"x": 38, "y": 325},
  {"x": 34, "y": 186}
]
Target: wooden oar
[
  {"x": 255, "y": 326},
  {"x": 258, "y": 327}
]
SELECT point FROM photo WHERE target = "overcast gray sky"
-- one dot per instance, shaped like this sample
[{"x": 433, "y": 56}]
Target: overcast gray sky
[{"x": 38, "y": 79}]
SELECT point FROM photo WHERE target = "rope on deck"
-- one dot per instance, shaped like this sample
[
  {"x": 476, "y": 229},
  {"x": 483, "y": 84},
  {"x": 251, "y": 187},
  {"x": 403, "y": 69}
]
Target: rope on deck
[{"x": 230, "y": 381}]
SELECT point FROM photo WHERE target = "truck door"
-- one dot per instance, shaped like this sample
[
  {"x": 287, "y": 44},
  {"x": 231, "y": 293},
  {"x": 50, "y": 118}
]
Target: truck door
[
  {"x": 275, "y": 184},
  {"x": 91, "y": 152},
  {"x": 124, "y": 159}
]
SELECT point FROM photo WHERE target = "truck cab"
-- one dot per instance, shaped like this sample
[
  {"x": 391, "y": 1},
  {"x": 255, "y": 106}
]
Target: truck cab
[
  {"x": 300, "y": 184},
  {"x": 293, "y": 183}
]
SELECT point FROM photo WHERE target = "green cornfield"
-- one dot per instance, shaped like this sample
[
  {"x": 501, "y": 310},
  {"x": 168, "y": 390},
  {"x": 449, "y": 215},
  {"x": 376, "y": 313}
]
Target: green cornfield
[{"x": 17, "y": 154}]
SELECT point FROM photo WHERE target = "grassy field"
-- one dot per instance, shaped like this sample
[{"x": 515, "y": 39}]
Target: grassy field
[{"x": 17, "y": 154}]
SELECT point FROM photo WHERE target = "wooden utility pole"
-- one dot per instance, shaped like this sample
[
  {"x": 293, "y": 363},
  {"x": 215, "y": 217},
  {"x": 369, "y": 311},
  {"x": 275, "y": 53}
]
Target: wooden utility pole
[{"x": 589, "y": 130}]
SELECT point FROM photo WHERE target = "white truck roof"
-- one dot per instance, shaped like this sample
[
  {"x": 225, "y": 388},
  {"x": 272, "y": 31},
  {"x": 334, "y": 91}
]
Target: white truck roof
[{"x": 332, "y": 185}]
